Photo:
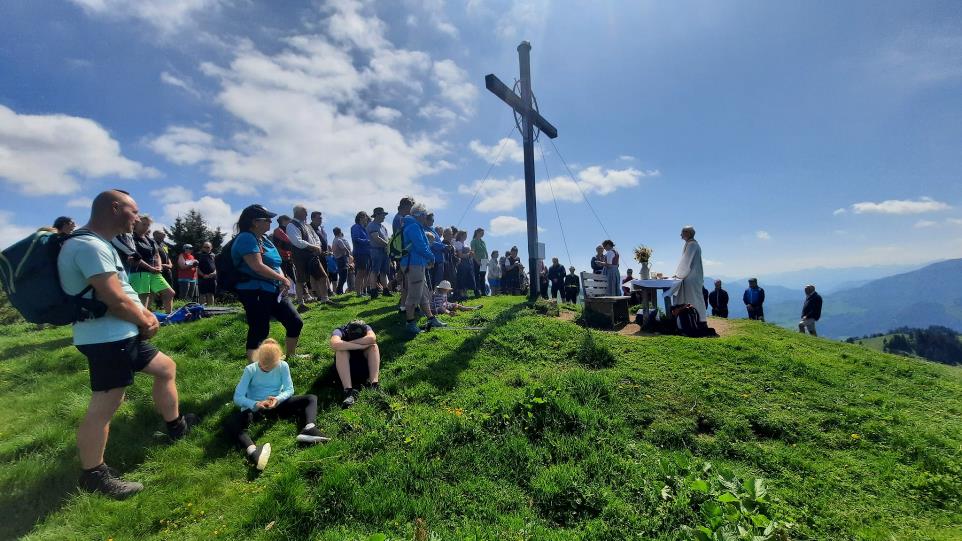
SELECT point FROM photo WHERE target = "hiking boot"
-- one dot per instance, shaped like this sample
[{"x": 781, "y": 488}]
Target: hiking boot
[
  {"x": 436, "y": 323},
  {"x": 311, "y": 435},
  {"x": 260, "y": 456},
  {"x": 101, "y": 479},
  {"x": 374, "y": 293},
  {"x": 387, "y": 294},
  {"x": 350, "y": 397},
  {"x": 183, "y": 428},
  {"x": 412, "y": 328},
  {"x": 301, "y": 308}
]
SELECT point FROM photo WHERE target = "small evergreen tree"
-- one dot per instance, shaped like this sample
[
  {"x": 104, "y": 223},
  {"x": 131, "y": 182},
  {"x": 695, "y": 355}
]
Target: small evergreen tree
[{"x": 192, "y": 229}]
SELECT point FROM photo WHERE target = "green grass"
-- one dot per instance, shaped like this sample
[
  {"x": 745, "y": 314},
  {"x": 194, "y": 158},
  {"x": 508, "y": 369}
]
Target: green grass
[{"x": 521, "y": 431}]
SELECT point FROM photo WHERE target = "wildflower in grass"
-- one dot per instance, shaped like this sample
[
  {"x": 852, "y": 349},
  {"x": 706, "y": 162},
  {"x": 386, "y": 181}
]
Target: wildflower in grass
[{"x": 856, "y": 437}]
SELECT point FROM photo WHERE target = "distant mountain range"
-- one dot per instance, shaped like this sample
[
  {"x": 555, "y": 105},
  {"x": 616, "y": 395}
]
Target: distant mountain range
[{"x": 920, "y": 298}]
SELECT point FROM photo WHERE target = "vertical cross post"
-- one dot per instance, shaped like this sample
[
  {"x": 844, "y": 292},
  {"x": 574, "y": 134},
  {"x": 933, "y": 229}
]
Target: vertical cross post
[
  {"x": 524, "y": 106},
  {"x": 530, "y": 196}
]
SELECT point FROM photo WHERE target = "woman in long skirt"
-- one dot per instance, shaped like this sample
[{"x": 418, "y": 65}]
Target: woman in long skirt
[{"x": 612, "y": 260}]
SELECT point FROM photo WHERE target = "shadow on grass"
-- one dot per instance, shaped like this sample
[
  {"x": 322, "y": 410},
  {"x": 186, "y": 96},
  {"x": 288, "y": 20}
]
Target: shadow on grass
[
  {"x": 22, "y": 349},
  {"x": 443, "y": 373},
  {"x": 131, "y": 438}
]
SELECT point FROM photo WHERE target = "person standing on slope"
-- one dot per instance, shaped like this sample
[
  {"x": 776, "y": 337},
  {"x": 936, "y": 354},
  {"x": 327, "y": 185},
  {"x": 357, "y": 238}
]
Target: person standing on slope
[{"x": 691, "y": 274}]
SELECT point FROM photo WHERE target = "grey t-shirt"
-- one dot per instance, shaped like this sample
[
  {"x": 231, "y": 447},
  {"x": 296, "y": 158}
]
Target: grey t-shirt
[
  {"x": 373, "y": 228},
  {"x": 83, "y": 257}
]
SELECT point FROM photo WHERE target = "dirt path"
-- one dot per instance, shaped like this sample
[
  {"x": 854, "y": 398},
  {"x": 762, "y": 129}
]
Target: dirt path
[{"x": 723, "y": 327}]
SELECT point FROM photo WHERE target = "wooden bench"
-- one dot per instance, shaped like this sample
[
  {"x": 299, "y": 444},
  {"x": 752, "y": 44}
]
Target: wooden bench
[{"x": 613, "y": 310}]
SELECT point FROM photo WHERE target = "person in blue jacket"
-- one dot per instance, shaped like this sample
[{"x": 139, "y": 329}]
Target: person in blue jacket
[
  {"x": 415, "y": 262},
  {"x": 754, "y": 299},
  {"x": 362, "y": 252}
]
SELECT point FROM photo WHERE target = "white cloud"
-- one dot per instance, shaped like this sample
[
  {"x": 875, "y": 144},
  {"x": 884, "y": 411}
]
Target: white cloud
[
  {"x": 505, "y": 149},
  {"x": 900, "y": 206},
  {"x": 183, "y": 145},
  {"x": 502, "y": 226},
  {"x": 712, "y": 264},
  {"x": 922, "y": 224},
  {"x": 167, "y": 16},
  {"x": 455, "y": 86},
  {"x": 497, "y": 195},
  {"x": 10, "y": 232},
  {"x": 308, "y": 131},
  {"x": 178, "y": 200},
  {"x": 839, "y": 212},
  {"x": 384, "y": 115},
  {"x": 626, "y": 158},
  {"x": 762, "y": 235},
  {"x": 523, "y": 19},
  {"x": 80, "y": 202},
  {"x": 172, "y": 80},
  {"x": 49, "y": 154},
  {"x": 173, "y": 194},
  {"x": 953, "y": 221}
]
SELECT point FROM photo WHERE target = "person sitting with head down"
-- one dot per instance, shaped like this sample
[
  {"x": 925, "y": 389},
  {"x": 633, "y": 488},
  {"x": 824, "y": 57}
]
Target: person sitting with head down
[
  {"x": 440, "y": 304},
  {"x": 355, "y": 343},
  {"x": 265, "y": 390}
]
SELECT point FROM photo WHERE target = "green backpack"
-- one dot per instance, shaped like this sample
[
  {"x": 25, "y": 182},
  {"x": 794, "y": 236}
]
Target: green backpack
[{"x": 395, "y": 247}]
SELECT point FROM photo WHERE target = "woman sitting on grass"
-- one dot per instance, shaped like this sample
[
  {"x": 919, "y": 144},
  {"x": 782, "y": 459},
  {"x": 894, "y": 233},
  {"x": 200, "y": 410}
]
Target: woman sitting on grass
[
  {"x": 265, "y": 390},
  {"x": 440, "y": 304}
]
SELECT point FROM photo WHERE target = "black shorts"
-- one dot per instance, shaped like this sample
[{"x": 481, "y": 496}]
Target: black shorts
[
  {"x": 207, "y": 286},
  {"x": 113, "y": 364},
  {"x": 362, "y": 262}
]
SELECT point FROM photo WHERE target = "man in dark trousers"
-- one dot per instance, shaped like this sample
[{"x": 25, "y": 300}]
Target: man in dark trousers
[
  {"x": 811, "y": 311},
  {"x": 718, "y": 299},
  {"x": 754, "y": 299},
  {"x": 572, "y": 286},
  {"x": 556, "y": 276}
]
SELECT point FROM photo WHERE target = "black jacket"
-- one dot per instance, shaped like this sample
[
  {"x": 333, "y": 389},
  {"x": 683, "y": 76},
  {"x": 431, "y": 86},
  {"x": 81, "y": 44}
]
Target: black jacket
[
  {"x": 718, "y": 299},
  {"x": 812, "y": 307},
  {"x": 556, "y": 273}
]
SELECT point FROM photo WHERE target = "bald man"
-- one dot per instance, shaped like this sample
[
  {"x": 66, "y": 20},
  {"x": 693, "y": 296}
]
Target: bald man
[{"x": 115, "y": 344}]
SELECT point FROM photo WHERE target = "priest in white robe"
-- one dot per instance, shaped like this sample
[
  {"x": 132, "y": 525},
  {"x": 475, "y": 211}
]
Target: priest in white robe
[{"x": 691, "y": 274}]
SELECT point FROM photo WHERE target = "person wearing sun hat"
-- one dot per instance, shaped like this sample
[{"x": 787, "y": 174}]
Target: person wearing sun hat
[
  {"x": 264, "y": 287},
  {"x": 440, "y": 303}
]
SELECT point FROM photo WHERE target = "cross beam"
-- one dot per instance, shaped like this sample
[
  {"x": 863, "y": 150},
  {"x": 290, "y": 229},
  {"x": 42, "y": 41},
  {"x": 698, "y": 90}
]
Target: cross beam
[{"x": 530, "y": 117}]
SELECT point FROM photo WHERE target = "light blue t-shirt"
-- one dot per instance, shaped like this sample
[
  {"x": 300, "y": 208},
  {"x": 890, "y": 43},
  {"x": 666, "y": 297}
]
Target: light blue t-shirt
[
  {"x": 246, "y": 243},
  {"x": 83, "y": 257},
  {"x": 256, "y": 385}
]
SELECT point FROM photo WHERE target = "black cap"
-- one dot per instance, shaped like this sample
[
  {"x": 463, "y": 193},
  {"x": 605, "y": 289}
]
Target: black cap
[
  {"x": 379, "y": 211},
  {"x": 258, "y": 211}
]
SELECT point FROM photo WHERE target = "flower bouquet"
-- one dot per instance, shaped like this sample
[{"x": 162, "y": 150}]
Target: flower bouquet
[{"x": 643, "y": 256}]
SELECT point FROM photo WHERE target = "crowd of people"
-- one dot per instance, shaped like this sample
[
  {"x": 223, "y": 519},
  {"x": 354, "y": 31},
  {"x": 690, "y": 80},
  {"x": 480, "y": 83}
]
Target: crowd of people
[{"x": 117, "y": 262}]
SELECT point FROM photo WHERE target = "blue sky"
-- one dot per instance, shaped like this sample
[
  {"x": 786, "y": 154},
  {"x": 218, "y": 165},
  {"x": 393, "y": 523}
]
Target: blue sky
[{"x": 790, "y": 134}]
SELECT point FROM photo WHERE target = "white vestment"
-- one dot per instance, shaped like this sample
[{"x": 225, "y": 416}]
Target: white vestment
[{"x": 689, "y": 289}]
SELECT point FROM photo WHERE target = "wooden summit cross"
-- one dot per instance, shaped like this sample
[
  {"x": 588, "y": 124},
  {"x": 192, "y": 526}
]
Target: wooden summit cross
[{"x": 527, "y": 109}]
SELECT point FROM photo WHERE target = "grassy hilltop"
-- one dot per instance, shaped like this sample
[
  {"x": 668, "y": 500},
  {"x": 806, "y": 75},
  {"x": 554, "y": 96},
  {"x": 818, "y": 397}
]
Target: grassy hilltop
[{"x": 524, "y": 430}]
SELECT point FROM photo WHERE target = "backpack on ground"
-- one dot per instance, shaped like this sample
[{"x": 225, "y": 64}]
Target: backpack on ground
[
  {"x": 396, "y": 248},
  {"x": 688, "y": 323},
  {"x": 31, "y": 280}
]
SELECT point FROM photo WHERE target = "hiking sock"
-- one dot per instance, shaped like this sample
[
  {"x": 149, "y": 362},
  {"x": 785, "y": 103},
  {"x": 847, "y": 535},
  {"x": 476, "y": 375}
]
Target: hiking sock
[
  {"x": 308, "y": 426},
  {"x": 250, "y": 449}
]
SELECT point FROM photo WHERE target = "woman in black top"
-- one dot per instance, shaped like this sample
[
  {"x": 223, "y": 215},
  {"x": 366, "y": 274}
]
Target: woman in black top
[
  {"x": 145, "y": 268},
  {"x": 207, "y": 272}
]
